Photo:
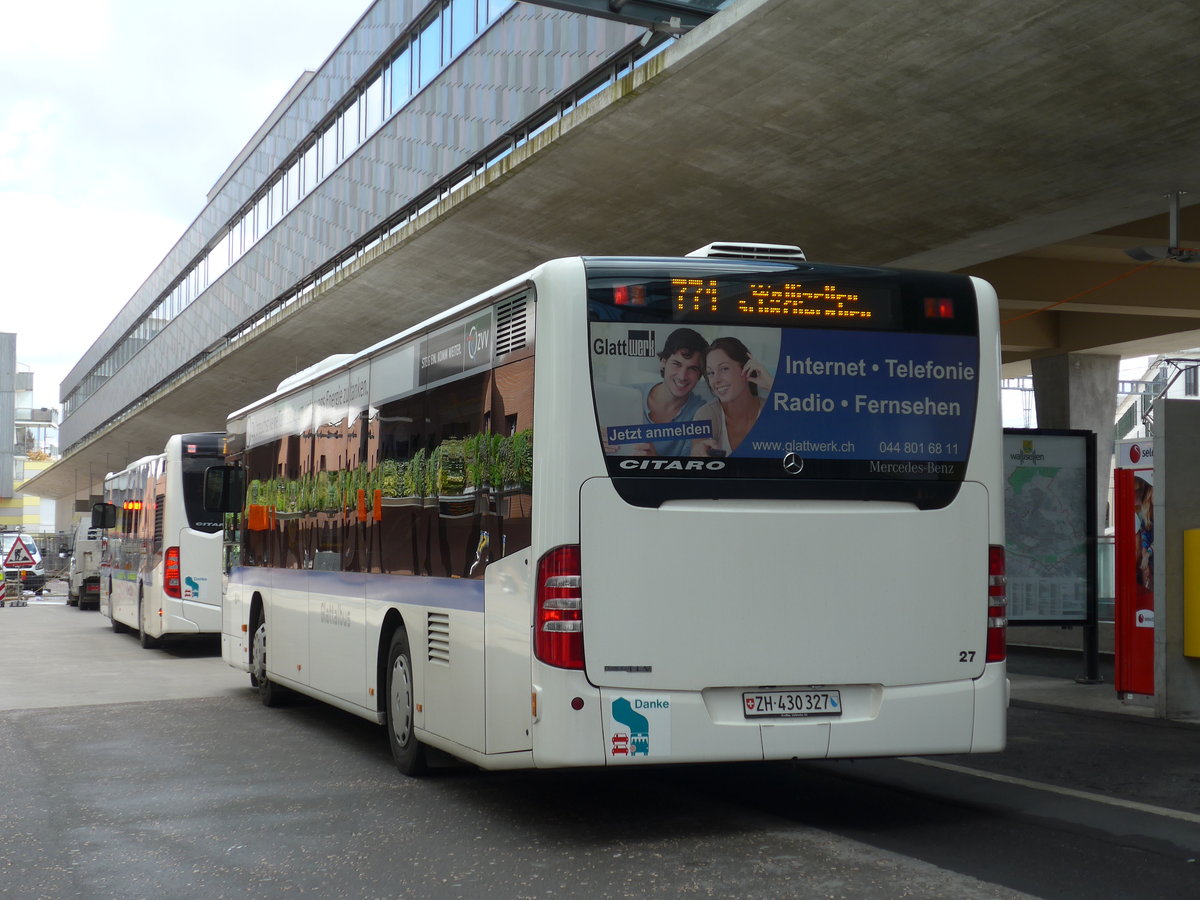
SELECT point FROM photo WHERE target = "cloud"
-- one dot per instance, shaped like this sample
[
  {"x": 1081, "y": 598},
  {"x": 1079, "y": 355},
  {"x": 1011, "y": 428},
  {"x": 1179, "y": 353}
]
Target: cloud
[
  {"x": 116, "y": 119},
  {"x": 69, "y": 269}
]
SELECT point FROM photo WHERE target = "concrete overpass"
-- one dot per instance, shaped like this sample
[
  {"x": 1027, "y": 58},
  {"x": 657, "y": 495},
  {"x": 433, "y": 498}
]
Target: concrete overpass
[{"x": 1029, "y": 143}]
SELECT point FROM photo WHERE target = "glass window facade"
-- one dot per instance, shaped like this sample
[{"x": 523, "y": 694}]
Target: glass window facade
[
  {"x": 362, "y": 114},
  {"x": 419, "y": 54}
]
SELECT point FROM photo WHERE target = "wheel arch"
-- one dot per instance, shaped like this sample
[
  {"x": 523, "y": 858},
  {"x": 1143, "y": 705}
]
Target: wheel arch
[
  {"x": 256, "y": 613},
  {"x": 393, "y": 621}
]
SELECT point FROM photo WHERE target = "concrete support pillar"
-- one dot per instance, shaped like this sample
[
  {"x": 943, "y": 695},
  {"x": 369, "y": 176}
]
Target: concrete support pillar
[
  {"x": 1176, "y": 509},
  {"x": 1079, "y": 391}
]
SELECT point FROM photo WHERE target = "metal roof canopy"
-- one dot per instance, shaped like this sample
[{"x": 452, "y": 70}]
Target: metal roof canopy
[{"x": 673, "y": 16}]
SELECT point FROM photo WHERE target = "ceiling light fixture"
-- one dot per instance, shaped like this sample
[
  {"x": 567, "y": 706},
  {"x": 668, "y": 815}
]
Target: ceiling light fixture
[{"x": 1172, "y": 250}]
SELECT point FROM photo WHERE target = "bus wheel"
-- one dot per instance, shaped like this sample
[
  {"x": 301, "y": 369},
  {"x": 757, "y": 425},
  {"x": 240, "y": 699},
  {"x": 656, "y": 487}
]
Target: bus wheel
[
  {"x": 407, "y": 751},
  {"x": 269, "y": 693},
  {"x": 117, "y": 627},
  {"x": 148, "y": 643}
]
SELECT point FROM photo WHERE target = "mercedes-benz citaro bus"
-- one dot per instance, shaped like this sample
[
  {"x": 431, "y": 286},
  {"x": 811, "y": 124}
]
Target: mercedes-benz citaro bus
[
  {"x": 624, "y": 511},
  {"x": 160, "y": 563}
]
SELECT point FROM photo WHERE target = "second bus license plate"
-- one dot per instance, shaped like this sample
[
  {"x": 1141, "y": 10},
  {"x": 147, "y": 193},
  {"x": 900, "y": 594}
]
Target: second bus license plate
[{"x": 779, "y": 704}]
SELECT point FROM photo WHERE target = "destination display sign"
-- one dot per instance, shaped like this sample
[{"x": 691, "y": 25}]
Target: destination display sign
[{"x": 793, "y": 299}]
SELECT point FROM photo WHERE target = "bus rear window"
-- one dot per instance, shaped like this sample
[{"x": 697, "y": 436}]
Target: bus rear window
[
  {"x": 199, "y": 453},
  {"x": 753, "y": 380}
]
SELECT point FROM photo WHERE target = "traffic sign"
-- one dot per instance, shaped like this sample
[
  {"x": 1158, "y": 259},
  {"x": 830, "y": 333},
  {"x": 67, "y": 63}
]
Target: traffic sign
[{"x": 19, "y": 556}]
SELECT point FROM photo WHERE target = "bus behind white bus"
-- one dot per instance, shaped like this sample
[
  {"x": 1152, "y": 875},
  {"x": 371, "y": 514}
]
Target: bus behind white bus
[
  {"x": 621, "y": 511},
  {"x": 160, "y": 570}
]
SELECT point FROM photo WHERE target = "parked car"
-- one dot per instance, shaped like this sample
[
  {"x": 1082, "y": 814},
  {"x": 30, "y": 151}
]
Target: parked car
[
  {"x": 83, "y": 571},
  {"x": 32, "y": 577}
]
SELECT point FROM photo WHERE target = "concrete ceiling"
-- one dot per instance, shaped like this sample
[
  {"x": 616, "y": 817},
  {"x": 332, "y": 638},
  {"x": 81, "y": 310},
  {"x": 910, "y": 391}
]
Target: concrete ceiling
[
  {"x": 1114, "y": 304},
  {"x": 1025, "y": 142}
]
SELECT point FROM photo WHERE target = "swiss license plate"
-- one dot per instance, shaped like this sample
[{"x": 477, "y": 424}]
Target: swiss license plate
[{"x": 787, "y": 704}]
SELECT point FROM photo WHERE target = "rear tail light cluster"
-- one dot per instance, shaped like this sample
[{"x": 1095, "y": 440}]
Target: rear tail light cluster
[
  {"x": 997, "y": 613},
  {"x": 558, "y": 614},
  {"x": 171, "y": 577}
]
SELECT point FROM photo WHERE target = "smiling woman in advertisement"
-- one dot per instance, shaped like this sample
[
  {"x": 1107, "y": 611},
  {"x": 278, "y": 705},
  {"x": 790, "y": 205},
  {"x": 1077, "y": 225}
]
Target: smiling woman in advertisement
[{"x": 735, "y": 378}]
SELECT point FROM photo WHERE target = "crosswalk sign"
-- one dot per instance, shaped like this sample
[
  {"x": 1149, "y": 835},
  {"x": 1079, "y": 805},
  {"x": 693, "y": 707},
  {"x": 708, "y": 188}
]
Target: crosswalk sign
[{"x": 19, "y": 556}]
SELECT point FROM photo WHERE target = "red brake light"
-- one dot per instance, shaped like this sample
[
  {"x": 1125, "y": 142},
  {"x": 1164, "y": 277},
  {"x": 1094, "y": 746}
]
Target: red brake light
[
  {"x": 997, "y": 621},
  {"x": 558, "y": 613},
  {"x": 939, "y": 308},
  {"x": 629, "y": 295},
  {"x": 171, "y": 578}
]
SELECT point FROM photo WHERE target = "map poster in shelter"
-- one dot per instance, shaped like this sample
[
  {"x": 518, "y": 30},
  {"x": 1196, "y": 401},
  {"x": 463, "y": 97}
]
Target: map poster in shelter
[{"x": 1049, "y": 486}]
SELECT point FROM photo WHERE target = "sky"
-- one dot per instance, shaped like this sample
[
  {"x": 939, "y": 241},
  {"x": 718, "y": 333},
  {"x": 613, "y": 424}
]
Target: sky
[{"x": 116, "y": 119}]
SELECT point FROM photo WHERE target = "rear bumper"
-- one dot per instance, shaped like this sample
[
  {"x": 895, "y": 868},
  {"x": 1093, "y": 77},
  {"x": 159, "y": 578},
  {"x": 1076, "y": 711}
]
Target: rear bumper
[
  {"x": 623, "y": 727},
  {"x": 89, "y": 592}
]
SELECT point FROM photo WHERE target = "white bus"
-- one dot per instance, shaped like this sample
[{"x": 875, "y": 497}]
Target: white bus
[
  {"x": 760, "y": 520},
  {"x": 160, "y": 571}
]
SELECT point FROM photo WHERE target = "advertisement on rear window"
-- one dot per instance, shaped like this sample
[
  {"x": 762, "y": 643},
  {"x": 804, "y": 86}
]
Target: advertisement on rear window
[{"x": 896, "y": 404}]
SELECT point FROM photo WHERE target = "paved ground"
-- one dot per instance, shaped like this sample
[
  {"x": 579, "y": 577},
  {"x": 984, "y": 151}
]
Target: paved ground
[
  {"x": 113, "y": 789},
  {"x": 100, "y": 669}
]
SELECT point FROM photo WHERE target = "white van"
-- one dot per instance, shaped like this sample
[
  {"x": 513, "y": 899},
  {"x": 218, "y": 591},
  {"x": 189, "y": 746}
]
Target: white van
[{"x": 83, "y": 571}]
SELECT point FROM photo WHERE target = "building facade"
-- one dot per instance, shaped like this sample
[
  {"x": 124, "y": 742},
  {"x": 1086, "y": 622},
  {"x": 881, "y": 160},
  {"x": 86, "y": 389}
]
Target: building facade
[
  {"x": 28, "y": 445},
  {"x": 415, "y": 98}
]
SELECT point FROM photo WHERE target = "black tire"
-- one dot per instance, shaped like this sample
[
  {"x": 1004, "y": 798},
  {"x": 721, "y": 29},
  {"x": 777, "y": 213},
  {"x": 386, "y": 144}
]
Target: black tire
[
  {"x": 407, "y": 751},
  {"x": 269, "y": 693},
  {"x": 148, "y": 643},
  {"x": 117, "y": 627}
]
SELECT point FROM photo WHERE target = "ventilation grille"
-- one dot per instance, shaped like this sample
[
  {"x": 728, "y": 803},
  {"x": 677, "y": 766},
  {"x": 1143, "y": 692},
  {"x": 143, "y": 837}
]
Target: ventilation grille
[
  {"x": 511, "y": 324},
  {"x": 159, "y": 505},
  {"x": 437, "y": 638},
  {"x": 728, "y": 250}
]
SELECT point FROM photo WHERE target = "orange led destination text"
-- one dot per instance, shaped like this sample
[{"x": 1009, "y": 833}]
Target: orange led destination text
[
  {"x": 700, "y": 295},
  {"x": 802, "y": 300},
  {"x": 695, "y": 294}
]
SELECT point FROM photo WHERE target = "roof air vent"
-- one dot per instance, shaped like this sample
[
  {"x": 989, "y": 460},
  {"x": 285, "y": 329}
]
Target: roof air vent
[{"x": 732, "y": 250}]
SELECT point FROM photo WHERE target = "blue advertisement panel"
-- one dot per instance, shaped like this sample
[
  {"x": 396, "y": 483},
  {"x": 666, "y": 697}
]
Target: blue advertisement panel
[{"x": 899, "y": 404}]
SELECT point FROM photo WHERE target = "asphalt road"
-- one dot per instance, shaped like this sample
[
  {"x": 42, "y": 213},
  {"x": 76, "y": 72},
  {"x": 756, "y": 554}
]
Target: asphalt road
[{"x": 157, "y": 773}]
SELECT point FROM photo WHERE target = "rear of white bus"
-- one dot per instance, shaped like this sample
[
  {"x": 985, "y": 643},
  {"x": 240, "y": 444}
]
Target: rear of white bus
[
  {"x": 188, "y": 573},
  {"x": 828, "y": 583}
]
